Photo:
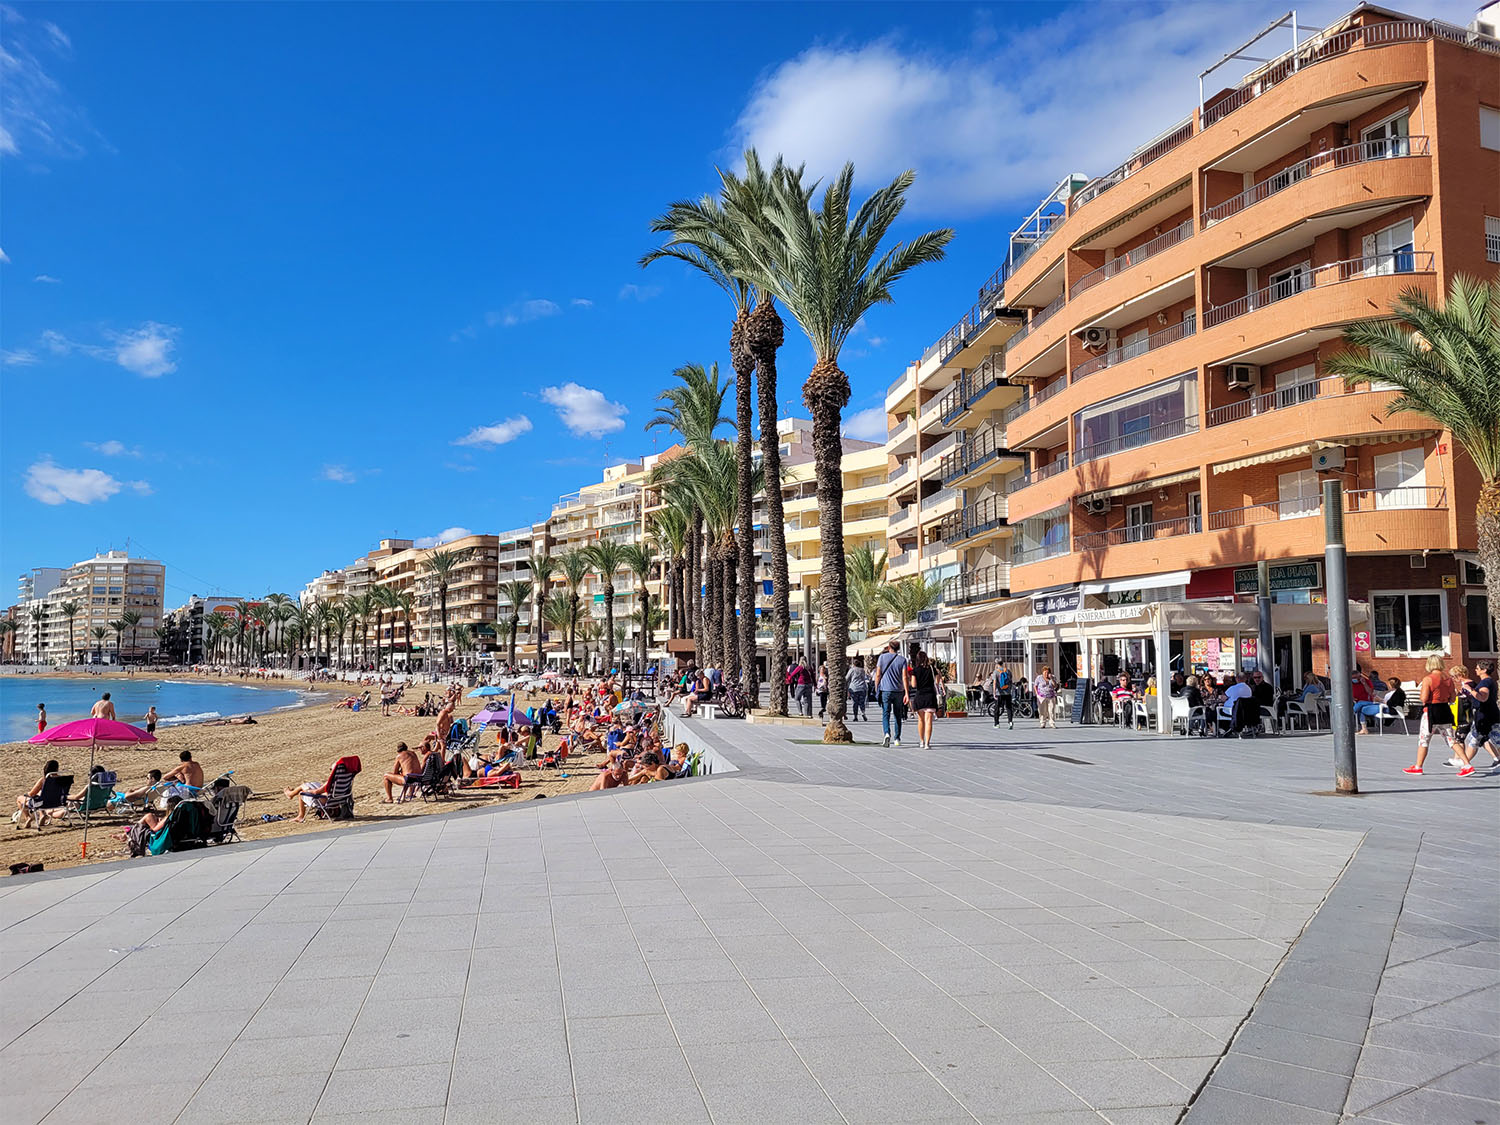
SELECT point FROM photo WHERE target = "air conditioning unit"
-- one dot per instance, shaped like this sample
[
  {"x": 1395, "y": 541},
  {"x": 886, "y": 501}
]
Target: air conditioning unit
[
  {"x": 1095, "y": 505},
  {"x": 1328, "y": 460},
  {"x": 1241, "y": 376},
  {"x": 1095, "y": 338}
]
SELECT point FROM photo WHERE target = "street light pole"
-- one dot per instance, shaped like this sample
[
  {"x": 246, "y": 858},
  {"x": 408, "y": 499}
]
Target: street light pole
[{"x": 1340, "y": 656}]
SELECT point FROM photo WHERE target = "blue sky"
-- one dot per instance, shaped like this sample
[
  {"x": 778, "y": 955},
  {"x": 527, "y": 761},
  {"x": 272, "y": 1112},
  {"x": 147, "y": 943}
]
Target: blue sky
[{"x": 280, "y": 280}]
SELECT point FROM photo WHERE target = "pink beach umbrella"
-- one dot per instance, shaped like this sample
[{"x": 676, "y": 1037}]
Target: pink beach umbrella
[{"x": 94, "y": 733}]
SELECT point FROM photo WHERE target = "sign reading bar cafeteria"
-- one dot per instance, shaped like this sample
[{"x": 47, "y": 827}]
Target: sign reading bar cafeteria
[
  {"x": 1291, "y": 576},
  {"x": 1063, "y": 601}
]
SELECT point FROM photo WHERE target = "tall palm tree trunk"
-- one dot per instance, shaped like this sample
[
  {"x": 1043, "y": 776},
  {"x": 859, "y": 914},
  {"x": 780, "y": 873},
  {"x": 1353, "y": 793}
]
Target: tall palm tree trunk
[
  {"x": 826, "y": 393},
  {"x": 708, "y": 634},
  {"x": 1487, "y": 524},
  {"x": 733, "y": 653},
  {"x": 695, "y": 577},
  {"x": 743, "y": 360},
  {"x": 536, "y": 623},
  {"x": 763, "y": 336},
  {"x": 609, "y": 626}
]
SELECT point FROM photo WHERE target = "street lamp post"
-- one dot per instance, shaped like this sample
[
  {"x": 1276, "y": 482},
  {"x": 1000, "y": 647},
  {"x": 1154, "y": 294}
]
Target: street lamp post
[{"x": 1340, "y": 656}]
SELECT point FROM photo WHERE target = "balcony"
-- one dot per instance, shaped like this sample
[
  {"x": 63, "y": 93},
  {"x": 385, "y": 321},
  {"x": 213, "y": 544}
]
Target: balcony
[
  {"x": 1322, "y": 48},
  {"x": 1133, "y": 257},
  {"x": 933, "y": 410},
  {"x": 953, "y": 466},
  {"x": 1319, "y": 277},
  {"x": 1036, "y": 476},
  {"x": 903, "y": 521},
  {"x": 1020, "y": 557},
  {"x": 980, "y": 584},
  {"x": 1152, "y": 150},
  {"x": 903, "y": 435},
  {"x": 954, "y": 401},
  {"x": 1323, "y": 162},
  {"x": 1271, "y": 511},
  {"x": 1149, "y": 436},
  {"x": 986, "y": 515},
  {"x": 934, "y": 454},
  {"x": 1118, "y": 355},
  {"x": 984, "y": 446},
  {"x": 1046, "y": 226},
  {"x": 1356, "y": 502},
  {"x": 1295, "y": 394},
  {"x": 1038, "y": 318},
  {"x": 1138, "y": 533}
]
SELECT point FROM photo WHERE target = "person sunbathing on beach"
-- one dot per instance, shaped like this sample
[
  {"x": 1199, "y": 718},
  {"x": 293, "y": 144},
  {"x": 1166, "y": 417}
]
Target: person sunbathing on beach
[
  {"x": 153, "y": 783},
  {"x": 614, "y": 772},
  {"x": 237, "y": 721},
  {"x": 149, "y": 825},
  {"x": 186, "y": 779},
  {"x": 445, "y": 718},
  {"x": 649, "y": 767},
  {"x": 406, "y": 768}
]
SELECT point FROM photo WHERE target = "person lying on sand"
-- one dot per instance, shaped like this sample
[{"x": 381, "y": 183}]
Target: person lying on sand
[
  {"x": 406, "y": 768},
  {"x": 237, "y": 721}
]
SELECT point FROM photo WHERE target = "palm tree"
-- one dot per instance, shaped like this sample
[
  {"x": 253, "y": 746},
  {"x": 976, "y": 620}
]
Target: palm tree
[
  {"x": 7, "y": 626},
  {"x": 640, "y": 558},
  {"x": 98, "y": 632},
  {"x": 37, "y": 615},
  {"x": 649, "y": 619},
  {"x": 216, "y": 625},
  {"x": 908, "y": 597},
  {"x": 557, "y": 611},
  {"x": 463, "y": 638},
  {"x": 132, "y": 620},
  {"x": 866, "y": 575},
  {"x": 162, "y": 635},
  {"x": 543, "y": 567},
  {"x": 1445, "y": 360},
  {"x": 338, "y": 618},
  {"x": 369, "y": 609},
  {"x": 607, "y": 557},
  {"x": 277, "y": 612},
  {"x": 575, "y": 568},
  {"x": 822, "y": 265},
  {"x": 516, "y": 593},
  {"x": 589, "y": 631},
  {"x": 710, "y": 235},
  {"x": 119, "y": 625},
  {"x": 70, "y": 610},
  {"x": 669, "y": 531},
  {"x": 439, "y": 566},
  {"x": 404, "y": 602},
  {"x": 695, "y": 410}
]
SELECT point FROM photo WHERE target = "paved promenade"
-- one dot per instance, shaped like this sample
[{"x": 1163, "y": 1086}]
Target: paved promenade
[{"x": 1090, "y": 927}]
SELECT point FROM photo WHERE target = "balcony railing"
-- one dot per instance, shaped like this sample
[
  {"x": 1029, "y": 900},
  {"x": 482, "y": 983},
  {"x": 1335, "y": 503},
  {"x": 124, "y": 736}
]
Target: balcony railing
[
  {"x": 1038, "y": 318},
  {"x": 1021, "y": 557},
  {"x": 1402, "y": 496},
  {"x": 896, "y": 562},
  {"x": 1341, "y": 157},
  {"x": 1335, "y": 273},
  {"x": 990, "y": 290},
  {"x": 1048, "y": 225},
  {"x": 953, "y": 466},
  {"x": 904, "y": 429},
  {"x": 1138, "y": 533},
  {"x": 1036, "y": 476},
  {"x": 1149, "y": 436},
  {"x": 977, "y": 585},
  {"x": 951, "y": 404},
  {"x": 985, "y": 444},
  {"x": 1133, "y": 257},
  {"x": 1268, "y": 512},
  {"x": 1322, "y": 47},
  {"x": 980, "y": 380},
  {"x": 1153, "y": 149},
  {"x": 1294, "y": 394},
  {"x": 900, "y": 472},
  {"x": 986, "y": 514},
  {"x": 1180, "y": 331}
]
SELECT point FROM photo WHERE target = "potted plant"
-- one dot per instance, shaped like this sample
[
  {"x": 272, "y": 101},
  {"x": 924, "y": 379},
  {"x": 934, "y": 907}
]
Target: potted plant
[{"x": 956, "y": 705}]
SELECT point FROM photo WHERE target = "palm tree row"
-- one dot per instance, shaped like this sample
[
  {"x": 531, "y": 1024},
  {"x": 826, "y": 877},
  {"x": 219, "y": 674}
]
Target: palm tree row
[{"x": 763, "y": 241}]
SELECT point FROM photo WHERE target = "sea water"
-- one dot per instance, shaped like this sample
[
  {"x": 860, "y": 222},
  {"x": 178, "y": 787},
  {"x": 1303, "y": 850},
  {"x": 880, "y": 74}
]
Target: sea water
[{"x": 176, "y": 701}]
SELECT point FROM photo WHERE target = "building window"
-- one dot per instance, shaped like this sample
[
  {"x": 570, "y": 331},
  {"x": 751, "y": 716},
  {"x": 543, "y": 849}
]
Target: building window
[
  {"x": 1491, "y": 238},
  {"x": 1410, "y": 622},
  {"x": 1393, "y": 249},
  {"x": 1299, "y": 494},
  {"x": 1154, "y": 413},
  {"x": 1473, "y": 573},
  {"x": 1389, "y": 138},
  {"x": 1489, "y": 127},
  {"x": 1400, "y": 479},
  {"x": 1479, "y": 626},
  {"x": 1286, "y": 283},
  {"x": 1138, "y": 523}
]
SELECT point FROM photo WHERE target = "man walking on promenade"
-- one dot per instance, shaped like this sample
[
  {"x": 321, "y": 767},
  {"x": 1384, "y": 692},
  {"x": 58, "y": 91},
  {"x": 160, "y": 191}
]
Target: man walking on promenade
[
  {"x": 1000, "y": 687},
  {"x": 890, "y": 688}
]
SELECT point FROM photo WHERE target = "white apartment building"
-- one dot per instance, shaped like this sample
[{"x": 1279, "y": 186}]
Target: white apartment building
[
  {"x": 326, "y": 586},
  {"x": 104, "y": 588}
]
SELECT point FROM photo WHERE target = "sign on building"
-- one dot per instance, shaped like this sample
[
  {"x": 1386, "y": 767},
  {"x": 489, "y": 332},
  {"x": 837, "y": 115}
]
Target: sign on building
[
  {"x": 1287, "y": 576},
  {"x": 1062, "y": 601}
]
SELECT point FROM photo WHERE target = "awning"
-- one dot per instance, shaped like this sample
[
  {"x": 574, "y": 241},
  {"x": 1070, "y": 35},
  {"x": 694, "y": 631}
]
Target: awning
[
  {"x": 871, "y": 644},
  {"x": 1141, "y": 486},
  {"x": 988, "y": 618},
  {"x": 1145, "y": 582},
  {"x": 1267, "y": 458}
]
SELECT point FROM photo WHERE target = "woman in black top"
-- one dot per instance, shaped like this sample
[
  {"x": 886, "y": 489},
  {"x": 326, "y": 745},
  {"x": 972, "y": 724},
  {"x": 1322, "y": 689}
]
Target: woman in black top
[{"x": 923, "y": 688}]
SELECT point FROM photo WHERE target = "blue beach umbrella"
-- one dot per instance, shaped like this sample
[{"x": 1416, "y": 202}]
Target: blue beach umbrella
[{"x": 488, "y": 689}]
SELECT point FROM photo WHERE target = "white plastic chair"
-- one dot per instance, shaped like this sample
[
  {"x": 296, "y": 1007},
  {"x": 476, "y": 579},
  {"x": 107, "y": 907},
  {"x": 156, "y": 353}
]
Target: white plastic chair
[
  {"x": 1296, "y": 713},
  {"x": 1387, "y": 713},
  {"x": 1268, "y": 720},
  {"x": 1141, "y": 717}
]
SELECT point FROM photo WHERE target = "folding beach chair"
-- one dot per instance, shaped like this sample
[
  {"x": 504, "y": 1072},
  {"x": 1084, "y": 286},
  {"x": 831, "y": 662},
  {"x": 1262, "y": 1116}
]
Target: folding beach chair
[
  {"x": 433, "y": 783},
  {"x": 97, "y": 794},
  {"x": 226, "y": 806},
  {"x": 187, "y": 827},
  {"x": 50, "y": 803},
  {"x": 338, "y": 802}
]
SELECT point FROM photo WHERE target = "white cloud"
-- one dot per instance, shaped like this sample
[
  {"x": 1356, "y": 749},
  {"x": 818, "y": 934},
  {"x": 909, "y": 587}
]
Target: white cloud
[
  {"x": 17, "y": 357},
  {"x": 584, "y": 410},
  {"x": 866, "y": 425},
  {"x": 632, "y": 292},
  {"x": 522, "y": 312},
  {"x": 42, "y": 119},
  {"x": 147, "y": 350},
  {"x": 877, "y": 341},
  {"x": 48, "y": 279},
  {"x": 4, "y": 257},
  {"x": 52, "y": 484},
  {"x": 57, "y": 35},
  {"x": 497, "y": 434},
  {"x": 339, "y": 474},
  {"x": 999, "y": 123},
  {"x": 113, "y": 448},
  {"x": 581, "y": 303},
  {"x": 447, "y": 535}
]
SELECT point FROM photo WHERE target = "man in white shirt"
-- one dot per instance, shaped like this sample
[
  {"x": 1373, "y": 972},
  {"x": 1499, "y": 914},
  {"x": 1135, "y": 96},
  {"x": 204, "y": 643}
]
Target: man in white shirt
[{"x": 1239, "y": 690}]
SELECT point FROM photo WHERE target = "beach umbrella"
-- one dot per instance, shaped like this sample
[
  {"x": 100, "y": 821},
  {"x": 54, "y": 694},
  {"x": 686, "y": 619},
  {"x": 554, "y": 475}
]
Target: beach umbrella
[
  {"x": 488, "y": 689},
  {"x": 108, "y": 733},
  {"x": 491, "y": 715}
]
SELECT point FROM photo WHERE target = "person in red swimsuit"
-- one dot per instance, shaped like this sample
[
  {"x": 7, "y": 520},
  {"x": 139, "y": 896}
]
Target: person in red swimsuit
[{"x": 41, "y": 717}]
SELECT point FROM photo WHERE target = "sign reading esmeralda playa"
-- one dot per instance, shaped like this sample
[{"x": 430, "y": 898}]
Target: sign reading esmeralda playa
[
  {"x": 1288, "y": 576},
  {"x": 1061, "y": 601}
]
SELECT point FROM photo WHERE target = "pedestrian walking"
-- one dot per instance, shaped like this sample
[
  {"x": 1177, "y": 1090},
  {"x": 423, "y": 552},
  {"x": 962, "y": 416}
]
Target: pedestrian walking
[
  {"x": 922, "y": 692},
  {"x": 1000, "y": 687},
  {"x": 1484, "y": 711},
  {"x": 890, "y": 689},
  {"x": 1046, "y": 700},
  {"x": 858, "y": 682},
  {"x": 1437, "y": 715},
  {"x": 799, "y": 679},
  {"x": 822, "y": 690}
]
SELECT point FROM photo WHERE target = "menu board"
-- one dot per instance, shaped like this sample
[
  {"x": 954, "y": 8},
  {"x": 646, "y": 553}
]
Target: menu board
[
  {"x": 1215, "y": 654},
  {"x": 1081, "y": 699}
]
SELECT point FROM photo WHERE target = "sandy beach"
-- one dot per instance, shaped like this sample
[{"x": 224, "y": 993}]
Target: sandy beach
[{"x": 282, "y": 749}]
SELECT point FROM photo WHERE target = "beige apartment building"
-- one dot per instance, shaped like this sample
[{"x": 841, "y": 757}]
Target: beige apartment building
[
  {"x": 104, "y": 588},
  {"x": 472, "y": 595}
]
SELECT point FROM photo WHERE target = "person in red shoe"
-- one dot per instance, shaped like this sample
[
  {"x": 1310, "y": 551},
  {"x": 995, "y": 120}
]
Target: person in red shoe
[{"x": 1437, "y": 711}]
